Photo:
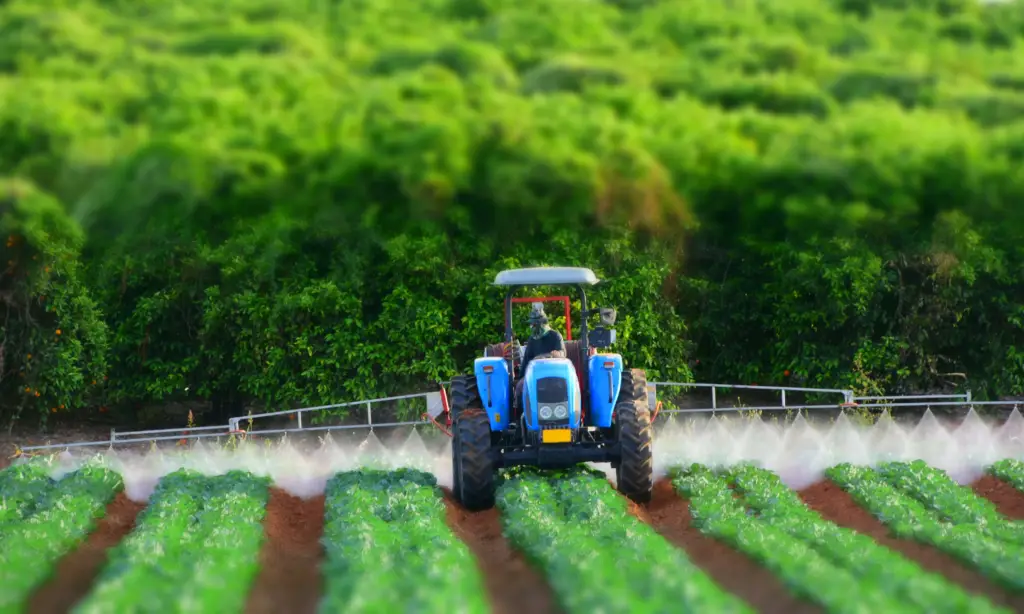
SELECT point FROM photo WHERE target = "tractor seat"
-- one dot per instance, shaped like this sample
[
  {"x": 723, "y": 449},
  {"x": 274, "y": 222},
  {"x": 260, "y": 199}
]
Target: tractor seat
[
  {"x": 555, "y": 354},
  {"x": 572, "y": 352}
]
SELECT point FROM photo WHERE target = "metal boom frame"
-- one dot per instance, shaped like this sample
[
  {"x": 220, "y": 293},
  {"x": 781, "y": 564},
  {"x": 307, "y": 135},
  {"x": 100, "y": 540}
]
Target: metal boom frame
[{"x": 437, "y": 404}]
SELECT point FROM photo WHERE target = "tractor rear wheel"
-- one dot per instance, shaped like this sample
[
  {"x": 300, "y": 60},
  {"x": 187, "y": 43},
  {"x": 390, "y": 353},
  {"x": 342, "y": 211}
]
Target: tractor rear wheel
[
  {"x": 456, "y": 478},
  {"x": 635, "y": 473},
  {"x": 471, "y": 460},
  {"x": 464, "y": 394}
]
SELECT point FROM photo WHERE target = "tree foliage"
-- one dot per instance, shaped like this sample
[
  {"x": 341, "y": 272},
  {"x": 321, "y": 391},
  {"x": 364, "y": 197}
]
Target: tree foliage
[{"x": 302, "y": 202}]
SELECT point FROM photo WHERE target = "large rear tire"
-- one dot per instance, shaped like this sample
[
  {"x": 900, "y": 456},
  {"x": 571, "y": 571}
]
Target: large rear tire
[
  {"x": 635, "y": 473},
  {"x": 464, "y": 394},
  {"x": 456, "y": 477},
  {"x": 472, "y": 464}
]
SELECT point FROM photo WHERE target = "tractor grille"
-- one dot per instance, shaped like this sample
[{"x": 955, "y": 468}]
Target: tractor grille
[{"x": 552, "y": 391}]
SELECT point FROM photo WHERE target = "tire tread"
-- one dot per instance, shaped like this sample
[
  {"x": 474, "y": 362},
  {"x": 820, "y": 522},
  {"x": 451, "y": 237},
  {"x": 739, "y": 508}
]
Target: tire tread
[{"x": 635, "y": 473}]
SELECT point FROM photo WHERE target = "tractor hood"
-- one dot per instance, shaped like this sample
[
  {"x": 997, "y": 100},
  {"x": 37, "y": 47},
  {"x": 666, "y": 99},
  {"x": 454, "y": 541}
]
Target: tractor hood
[{"x": 552, "y": 394}]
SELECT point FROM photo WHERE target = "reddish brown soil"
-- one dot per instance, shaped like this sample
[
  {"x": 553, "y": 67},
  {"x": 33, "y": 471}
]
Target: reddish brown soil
[
  {"x": 1009, "y": 501},
  {"x": 512, "y": 584},
  {"x": 669, "y": 514},
  {"x": 835, "y": 505},
  {"x": 76, "y": 572},
  {"x": 289, "y": 579}
]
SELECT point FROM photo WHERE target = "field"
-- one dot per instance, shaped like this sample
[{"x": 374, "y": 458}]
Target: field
[
  {"x": 270, "y": 204},
  {"x": 262, "y": 528}
]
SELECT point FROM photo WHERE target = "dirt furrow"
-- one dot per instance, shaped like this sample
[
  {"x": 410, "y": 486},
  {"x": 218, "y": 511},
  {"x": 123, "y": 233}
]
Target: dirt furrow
[
  {"x": 512, "y": 583},
  {"x": 1007, "y": 499},
  {"x": 834, "y": 504},
  {"x": 669, "y": 515},
  {"x": 77, "y": 571},
  {"x": 289, "y": 579}
]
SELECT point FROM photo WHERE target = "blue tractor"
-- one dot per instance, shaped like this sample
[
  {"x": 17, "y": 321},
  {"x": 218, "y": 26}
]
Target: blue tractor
[{"x": 580, "y": 407}]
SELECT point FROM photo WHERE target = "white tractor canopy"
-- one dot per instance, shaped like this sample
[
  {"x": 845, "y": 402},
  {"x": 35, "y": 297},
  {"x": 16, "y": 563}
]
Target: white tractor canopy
[{"x": 546, "y": 276}]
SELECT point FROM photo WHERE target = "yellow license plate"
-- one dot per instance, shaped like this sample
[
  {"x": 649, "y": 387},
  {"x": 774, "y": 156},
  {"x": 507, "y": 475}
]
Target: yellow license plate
[{"x": 556, "y": 436}]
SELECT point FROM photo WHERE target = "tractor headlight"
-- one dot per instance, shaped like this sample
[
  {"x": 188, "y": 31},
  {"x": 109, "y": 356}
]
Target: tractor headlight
[
  {"x": 545, "y": 412},
  {"x": 561, "y": 412}
]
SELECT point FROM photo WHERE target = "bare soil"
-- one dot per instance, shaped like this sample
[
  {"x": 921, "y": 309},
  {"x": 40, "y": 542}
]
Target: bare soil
[
  {"x": 512, "y": 583},
  {"x": 1008, "y": 500},
  {"x": 289, "y": 579},
  {"x": 77, "y": 571},
  {"x": 735, "y": 572},
  {"x": 836, "y": 505}
]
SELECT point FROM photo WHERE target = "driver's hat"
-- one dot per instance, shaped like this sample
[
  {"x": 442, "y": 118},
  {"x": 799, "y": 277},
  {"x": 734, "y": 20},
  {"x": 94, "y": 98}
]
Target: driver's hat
[{"x": 537, "y": 313}]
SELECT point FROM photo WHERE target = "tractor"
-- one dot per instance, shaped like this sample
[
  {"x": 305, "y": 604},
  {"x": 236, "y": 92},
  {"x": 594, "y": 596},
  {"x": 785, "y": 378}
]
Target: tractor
[{"x": 580, "y": 407}]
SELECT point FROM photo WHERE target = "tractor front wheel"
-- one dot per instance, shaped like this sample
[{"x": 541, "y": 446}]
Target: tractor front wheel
[
  {"x": 635, "y": 473},
  {"x": 473, "y": 468}
]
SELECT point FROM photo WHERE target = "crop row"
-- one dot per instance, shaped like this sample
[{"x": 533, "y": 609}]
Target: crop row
[
  {"x": 389, "y": 549},
  {"x": 21, "y": 489},
  {"x": 877, "y": 568},
  {"x": 806, "y": 571},
  {"x": 929, "y": 508},
  {"x": 1010, "y": 470},
  {"x": 43, "y": 522},
  {"x": 596, "y": 556},
  {"x": 950, "y": 501},
  {"x": 195, "y": 548}
]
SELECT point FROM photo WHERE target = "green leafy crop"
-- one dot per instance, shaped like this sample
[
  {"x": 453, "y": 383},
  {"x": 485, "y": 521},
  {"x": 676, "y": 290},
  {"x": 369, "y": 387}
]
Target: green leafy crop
[
  {"x": 596, "y": 556},
  {"x": 953, "y": 503},
  {"x": 878, "y": 568},
  {"x": 51, "y": 520},
  {"x": 21, "y": 489},
  {"x": 1011, "y": 470},
  {"x": 388, "y": 548},
  {"x": 906, "y": 516},
  {"x": 808, "y": 572},
  {"x": 195, "y": 549}
]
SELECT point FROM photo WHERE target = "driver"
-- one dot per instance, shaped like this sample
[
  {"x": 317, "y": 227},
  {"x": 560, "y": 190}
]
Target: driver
[{"x": 543, "y": 340}]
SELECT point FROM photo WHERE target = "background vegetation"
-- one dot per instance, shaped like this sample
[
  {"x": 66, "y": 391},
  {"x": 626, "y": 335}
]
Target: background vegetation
[{"x": 294, "y": 201}]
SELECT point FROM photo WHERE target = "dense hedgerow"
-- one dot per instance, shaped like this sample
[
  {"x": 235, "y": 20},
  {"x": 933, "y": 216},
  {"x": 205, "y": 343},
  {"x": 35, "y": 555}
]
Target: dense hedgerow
[{"x": 296, "y": 201}]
